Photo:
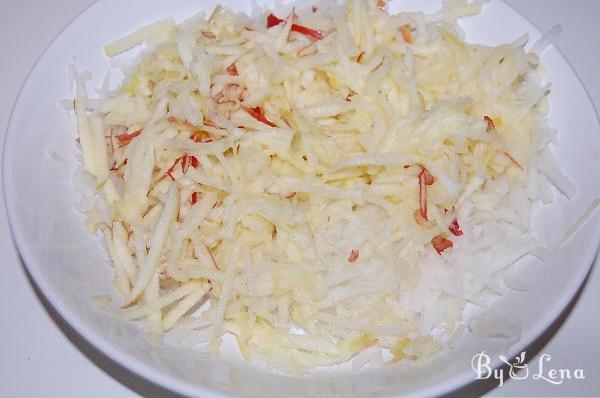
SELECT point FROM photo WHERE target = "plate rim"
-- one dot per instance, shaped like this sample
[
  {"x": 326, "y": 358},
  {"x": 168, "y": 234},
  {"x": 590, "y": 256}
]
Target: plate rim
[{"x": 152, "y": 375}]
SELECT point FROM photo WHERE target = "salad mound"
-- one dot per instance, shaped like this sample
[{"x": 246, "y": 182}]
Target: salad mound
[{"x": 319, "y": 183}]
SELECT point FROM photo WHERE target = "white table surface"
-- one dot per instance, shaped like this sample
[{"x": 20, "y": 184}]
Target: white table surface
[{"x": 40, "y": 358}]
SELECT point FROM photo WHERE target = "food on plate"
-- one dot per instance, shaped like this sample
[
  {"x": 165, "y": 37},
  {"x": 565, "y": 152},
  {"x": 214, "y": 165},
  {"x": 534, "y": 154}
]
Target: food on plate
[{"x": 319, "y": 183}]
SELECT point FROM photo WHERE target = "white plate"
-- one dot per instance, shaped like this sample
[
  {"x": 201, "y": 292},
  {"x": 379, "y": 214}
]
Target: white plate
[{"x": 69, "y": 266}]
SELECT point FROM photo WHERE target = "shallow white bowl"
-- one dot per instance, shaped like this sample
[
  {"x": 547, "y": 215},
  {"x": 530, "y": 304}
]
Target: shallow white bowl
[{"x": 69, "y": 266}]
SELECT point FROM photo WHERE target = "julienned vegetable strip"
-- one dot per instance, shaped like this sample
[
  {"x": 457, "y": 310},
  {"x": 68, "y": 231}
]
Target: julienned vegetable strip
[
  {"x": 515, "y": 162},
  {"x": 259, "y": 115},
  {"x": 126, "y": 138},
  {"x": 425, "y": 178},
  {"x": 272, "y": 20},
  {"x": 158, "y": 240},
  {"x": 315, "y": 34},
  {"x": 172, "y": 168}
]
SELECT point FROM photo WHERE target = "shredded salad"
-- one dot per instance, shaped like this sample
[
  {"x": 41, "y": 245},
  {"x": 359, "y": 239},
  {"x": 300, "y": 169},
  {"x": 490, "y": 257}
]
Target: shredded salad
[{"x": 327, "y": 184}]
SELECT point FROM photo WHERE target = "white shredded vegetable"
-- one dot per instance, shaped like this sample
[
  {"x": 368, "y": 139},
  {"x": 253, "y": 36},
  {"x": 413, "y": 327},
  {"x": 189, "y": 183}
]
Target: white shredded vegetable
[
  {"x": 319, "y": 184},
  {"x": 579, "y": 223},
  {"x": 155, "y": 33}
]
